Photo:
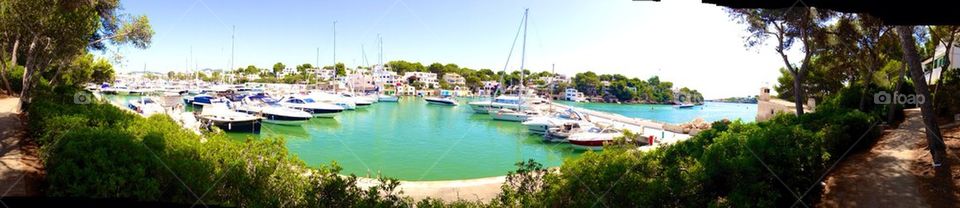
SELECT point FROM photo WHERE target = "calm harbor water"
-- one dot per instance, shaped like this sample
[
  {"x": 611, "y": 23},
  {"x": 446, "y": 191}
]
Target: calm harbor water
[{"x": 413, "y": 140}]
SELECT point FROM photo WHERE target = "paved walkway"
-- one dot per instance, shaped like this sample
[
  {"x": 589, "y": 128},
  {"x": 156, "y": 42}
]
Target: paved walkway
[
  {"x": 881, "y": 177},
  {"x": 19, "y": 166}
]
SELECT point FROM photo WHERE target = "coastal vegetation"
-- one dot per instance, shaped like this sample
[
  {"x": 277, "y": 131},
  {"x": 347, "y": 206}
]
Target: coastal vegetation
[
  {"x": 97, "y": 150},
  {"x": 733, "y": 164},
  {"x": 44, "y": 37},
  {"x": 606, "y": 87}
]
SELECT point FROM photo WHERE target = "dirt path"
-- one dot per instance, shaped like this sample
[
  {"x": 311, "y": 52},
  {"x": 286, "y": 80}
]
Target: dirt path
[
  {"x": 480, "y": 189},
  {"x": 19, "y": 166},
  {"x": 881, "y": 177}
]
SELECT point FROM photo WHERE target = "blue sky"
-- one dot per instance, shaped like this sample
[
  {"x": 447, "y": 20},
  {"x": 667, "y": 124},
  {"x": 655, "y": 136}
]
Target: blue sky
[{"x": 692, "y": 44}]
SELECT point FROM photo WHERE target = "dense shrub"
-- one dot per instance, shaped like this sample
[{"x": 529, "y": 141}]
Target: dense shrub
[
  {"x": 100, "y": 151},
  {"x": 733, "y": 164},
  {"x": 97, "y": 150},
  {"x": 948, "y": 96},
  {"x": 14, "y": 74}
]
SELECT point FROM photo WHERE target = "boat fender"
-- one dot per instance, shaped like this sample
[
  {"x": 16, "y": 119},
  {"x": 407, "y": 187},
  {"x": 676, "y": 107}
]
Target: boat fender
[{"x": 230, "y": 126}]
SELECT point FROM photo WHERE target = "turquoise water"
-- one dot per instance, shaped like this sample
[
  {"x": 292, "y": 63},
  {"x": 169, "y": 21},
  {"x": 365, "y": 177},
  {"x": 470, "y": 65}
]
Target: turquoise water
[
  {"x": 413, "y": 140},
  {"x": 709, "y": 111}
]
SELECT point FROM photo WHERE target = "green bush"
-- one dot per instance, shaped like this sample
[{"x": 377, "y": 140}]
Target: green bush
[
  {"x": 948, "y": 96},
  {"x": 100, "y": 151},
  {"x": 14, "y": 77},
  {"x": 733, "y": 164}
]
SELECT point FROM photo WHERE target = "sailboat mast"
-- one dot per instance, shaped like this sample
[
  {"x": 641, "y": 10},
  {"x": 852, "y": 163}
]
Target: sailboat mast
[
  {"x": 363, "y": 54},
  {"x": 232, "y": 40},
  {"x": 523, "y": 54},
  {"x": 335, "y": 56},
  {"x": 380, "y": 57}
]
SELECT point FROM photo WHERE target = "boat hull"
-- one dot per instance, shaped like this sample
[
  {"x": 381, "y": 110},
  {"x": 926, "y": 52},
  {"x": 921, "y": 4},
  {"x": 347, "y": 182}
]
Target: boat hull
[
  {"x": 280, "y": 119},
  {"x": 322, "y": 113},
  {"x": 388, "y": 98},
  {"x": 587, "y": 145},
  {"x": 440, "y": 101},
  {"x": 509, "y": 117},
  {"x": 247, "y": 126},
  {"x": 286, "y": 122},
  {"x": 538, "y": 128},
  {"x": 486, "y": 107}
]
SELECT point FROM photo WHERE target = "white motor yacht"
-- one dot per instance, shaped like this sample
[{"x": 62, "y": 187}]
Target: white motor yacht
[
  {"x": 228, "y": 120},
  {"x": 360, "y": 101},
  {"x": 345, "y": 103},
  {"x": 317, "y": 109},
  {"x": 441, "y": 100},
  {"x": 503, "y": 101},
  {"x": 594, "y": 138},
  {"x": 540, "y": 124},
  {"x": 505, "y": 114},
  {"x": 271, "y": 111},
  {"x": 145, "y": 106},
  {"x": 388, "y": 98},
  {"x": 562, "y": 132}
]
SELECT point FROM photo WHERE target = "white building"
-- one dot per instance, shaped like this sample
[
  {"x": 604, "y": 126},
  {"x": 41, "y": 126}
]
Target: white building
[
  {"x": 403, "y": 89},
  {"x": 555, "y": 79},
  {"x": 932, "y": 67},
  {"x": 454, "y": 79},
  {"x": 287, "y": 71},
  {"x": 383, "y": 76},
  {"x": 322, "y": 74},
  {"x": 487, "y": 87},
  {"x": 428, "y": 79},
  {"x": 572, "y": 94}
]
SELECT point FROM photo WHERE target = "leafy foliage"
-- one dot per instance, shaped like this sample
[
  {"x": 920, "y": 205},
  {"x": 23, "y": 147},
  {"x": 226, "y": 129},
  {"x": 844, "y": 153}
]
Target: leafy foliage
[
  {"x": 100, "y": 151},
  {"x": 730, "y": 165}
]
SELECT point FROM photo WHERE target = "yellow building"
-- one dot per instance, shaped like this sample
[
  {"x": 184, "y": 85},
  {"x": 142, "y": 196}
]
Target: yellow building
[{"x": 768, "y": 107}]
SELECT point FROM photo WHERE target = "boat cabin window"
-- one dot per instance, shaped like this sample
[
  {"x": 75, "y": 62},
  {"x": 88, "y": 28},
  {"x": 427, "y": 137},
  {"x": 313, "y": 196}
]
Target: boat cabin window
[
  {"x": 309, "y": 100},
  {"x": 295, "y": 101},
  {"x": 147, "y": 101},
  {"x": 610, "y": 131}
]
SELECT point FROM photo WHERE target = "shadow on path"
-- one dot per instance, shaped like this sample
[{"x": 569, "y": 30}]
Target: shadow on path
[
  {"x": 881, "y": 177},
  {"x": 20, "y": 168}
]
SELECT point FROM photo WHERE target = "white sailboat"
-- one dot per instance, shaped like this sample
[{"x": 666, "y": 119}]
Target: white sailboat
[{"x": 519, "y": 114}]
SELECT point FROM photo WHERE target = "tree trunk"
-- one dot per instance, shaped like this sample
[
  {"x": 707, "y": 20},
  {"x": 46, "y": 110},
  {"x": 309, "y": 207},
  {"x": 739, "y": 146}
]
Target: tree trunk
[
  {"x": 13, "y": 61},
  {"x": 912, "y": 59},
  {"x": 867, "y": 79},
  {"x": 3, "y": 68},
  {"x": 798, "y": 92},
  {"x": 28, "y": 70},
  {"x": 891, "y": 115}
]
